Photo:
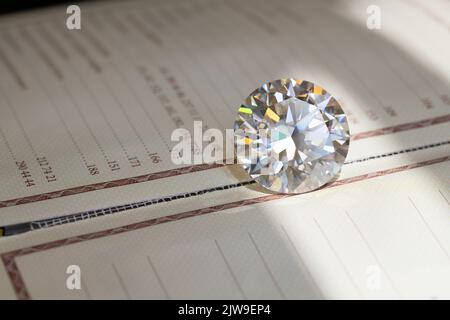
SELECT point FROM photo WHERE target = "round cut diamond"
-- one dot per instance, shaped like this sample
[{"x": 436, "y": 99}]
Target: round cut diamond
[{"x": 291, "y": 136}]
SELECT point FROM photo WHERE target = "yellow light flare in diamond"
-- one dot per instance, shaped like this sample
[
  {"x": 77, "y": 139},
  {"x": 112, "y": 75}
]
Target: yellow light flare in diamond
[
  {"x": 272, "y": 115},
  {"x": 245, "y": 110},
  {"x": 317, "y": 89},
  {"x": 296, "y": 137}
]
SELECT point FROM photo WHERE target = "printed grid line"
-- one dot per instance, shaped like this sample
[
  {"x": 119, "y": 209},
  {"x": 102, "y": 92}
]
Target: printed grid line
[
  {"x": 17, "y": 280},
  {"x": 195, "y": 168}
]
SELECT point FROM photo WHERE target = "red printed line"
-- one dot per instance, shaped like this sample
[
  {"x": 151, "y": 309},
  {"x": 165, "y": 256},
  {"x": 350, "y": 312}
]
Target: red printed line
[
  {"x": 196, "y": 168},
  {"x": 402, "y": 127},
  {"x": 9, "y": 258},
  {"x": 107, "y": 185}
]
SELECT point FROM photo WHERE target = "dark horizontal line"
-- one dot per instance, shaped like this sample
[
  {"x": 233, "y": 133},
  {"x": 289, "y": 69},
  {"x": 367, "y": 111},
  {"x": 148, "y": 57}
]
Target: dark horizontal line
[
  {"x": 196, "y": 168},
  {"x": 394, "y": 153},
  {"x": 80, "y": 216},
  {"x": 9, "y": 258}
]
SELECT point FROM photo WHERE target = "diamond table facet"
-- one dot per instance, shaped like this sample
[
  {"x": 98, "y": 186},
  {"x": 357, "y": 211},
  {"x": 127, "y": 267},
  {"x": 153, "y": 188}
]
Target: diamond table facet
[{"x": 292, "y": 136}]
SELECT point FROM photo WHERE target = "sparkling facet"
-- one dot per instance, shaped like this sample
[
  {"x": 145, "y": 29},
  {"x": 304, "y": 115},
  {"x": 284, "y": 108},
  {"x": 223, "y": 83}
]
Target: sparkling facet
[{"x": 291, "y": 136}]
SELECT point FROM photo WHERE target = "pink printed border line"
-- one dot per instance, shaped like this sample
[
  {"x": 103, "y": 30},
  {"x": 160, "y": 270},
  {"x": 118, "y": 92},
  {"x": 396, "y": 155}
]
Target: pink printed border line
[
  {"x": 196, "y": 168},
  {"x": 402, "y": 127},
  {"x": 107, "y": 185},
  {"x": 17, "y": 281}
]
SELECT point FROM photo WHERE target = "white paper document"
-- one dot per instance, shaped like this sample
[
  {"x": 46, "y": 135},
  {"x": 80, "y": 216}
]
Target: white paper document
[{"x": 86, "y": 118}]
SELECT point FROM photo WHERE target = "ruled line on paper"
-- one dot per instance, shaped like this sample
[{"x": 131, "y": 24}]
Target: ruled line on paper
[
  {"x": 430, "y": 230},
  {"x": 14, "y": 273},
  {"x": 354, "y": 77},
  {"x": 303, "y": 264},
  {"x": 50, "y": 99},
  {"x": 266, "y": 266},
  {"x": 178, "y": 38},
  {"x": 85, "y": 289},
  {"x": 248, "y": 72},
  {"x": 177, "y": 64},
  {"x": 123, "y": 110},
  {"x": 443, "y": 196},
  {"x": 140, "y": 102},
  {"x": 121, "y": 282},
  {"x": 158, "y": 278},
  {"x": 232, "y": 32},
  {"x": 230, "y": 270},
  {"x": 108, "y": 57},
  {"x": 12, "y": 69},
  {"x": 372, "y": 252},
  {"x": 58, "y": 49},
  {"x": 75, "y": 44},
  {"x": 215, "y": 60},
  {"x": 145, "y": 111},
  {"x": 19, "y": 122},
  {"x": 338, "y": 258},
  {"x": 169, "y": 173},
  {"x": 200, "y": 67},
  {"x": 8, "y": 146}
]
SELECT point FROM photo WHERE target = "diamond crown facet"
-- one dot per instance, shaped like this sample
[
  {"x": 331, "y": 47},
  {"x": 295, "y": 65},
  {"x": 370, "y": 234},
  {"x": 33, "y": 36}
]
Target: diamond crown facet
[{"x": 292, "y": 136}]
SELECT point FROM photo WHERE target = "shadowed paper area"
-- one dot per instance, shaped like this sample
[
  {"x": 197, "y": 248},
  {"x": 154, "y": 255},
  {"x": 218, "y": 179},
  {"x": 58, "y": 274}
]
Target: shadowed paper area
[{"x": 284, "y": 249}]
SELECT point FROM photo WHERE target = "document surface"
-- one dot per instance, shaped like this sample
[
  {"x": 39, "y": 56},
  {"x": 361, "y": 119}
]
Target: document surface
[{"x": 86, "y": 118}]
